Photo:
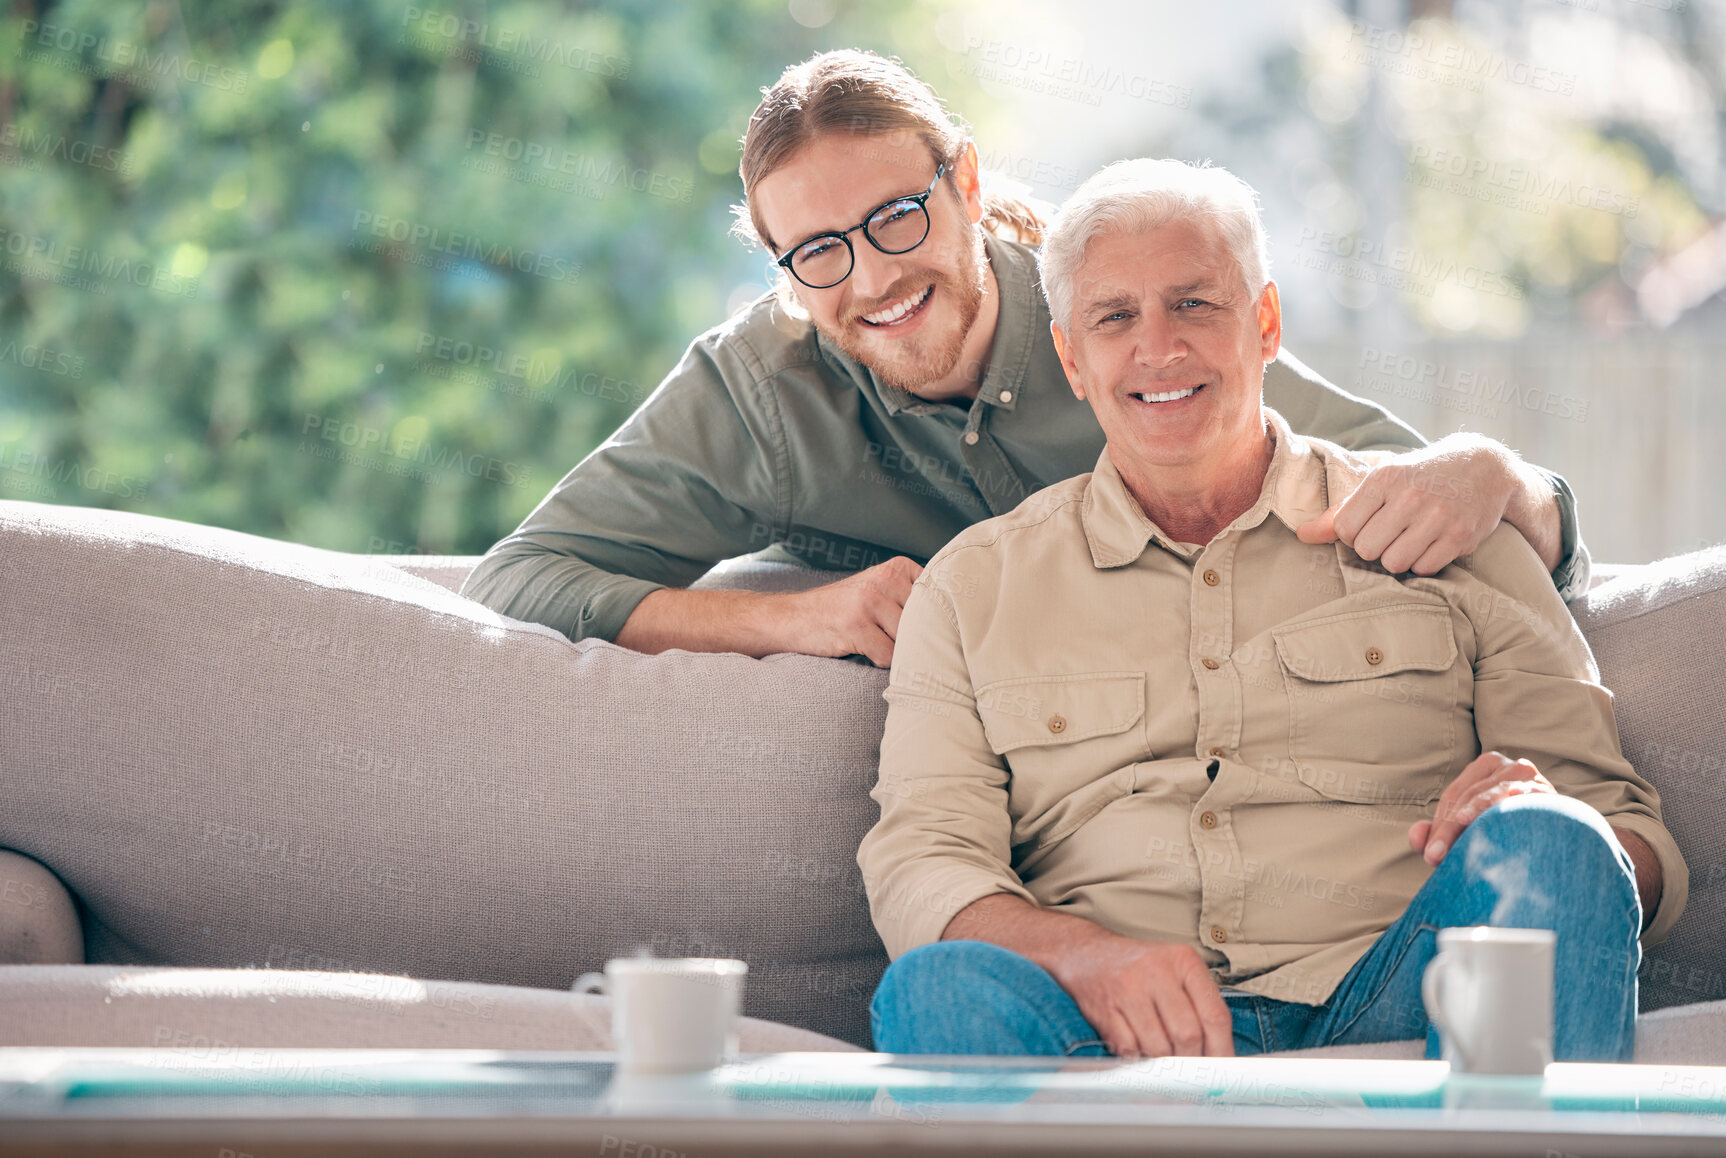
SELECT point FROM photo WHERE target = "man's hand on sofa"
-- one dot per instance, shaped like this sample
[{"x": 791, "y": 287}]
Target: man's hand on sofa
[
  {"x": 1489, "y": 778},
  {"x": 1144, "y": 998},
  {"x": 859, "y": 615},
  {"x": 1423, "y": 510}
]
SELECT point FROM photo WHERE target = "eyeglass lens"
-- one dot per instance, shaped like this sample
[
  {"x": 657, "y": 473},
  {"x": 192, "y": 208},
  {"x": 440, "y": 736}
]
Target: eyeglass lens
[{"x": 894, "y": 228}]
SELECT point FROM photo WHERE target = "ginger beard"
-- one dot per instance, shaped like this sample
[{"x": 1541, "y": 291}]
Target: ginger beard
[{"x": 912, "y": 361}]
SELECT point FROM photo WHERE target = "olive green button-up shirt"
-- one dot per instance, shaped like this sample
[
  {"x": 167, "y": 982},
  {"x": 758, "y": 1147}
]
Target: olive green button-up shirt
[
  {"x": 767, "y": 435},
  {"x": 1220, "y": 745}
]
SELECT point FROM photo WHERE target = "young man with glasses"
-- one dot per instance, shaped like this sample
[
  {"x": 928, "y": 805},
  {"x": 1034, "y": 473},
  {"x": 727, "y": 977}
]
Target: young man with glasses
[{"x": 896, "y": 391}]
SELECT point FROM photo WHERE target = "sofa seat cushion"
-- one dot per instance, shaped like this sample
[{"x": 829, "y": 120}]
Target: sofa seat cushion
[{"x": 223, "y": 1009}]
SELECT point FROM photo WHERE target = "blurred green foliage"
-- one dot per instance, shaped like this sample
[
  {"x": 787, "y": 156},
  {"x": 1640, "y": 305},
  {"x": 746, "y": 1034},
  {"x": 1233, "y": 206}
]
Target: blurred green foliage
[{"x": 366, "y": 275}]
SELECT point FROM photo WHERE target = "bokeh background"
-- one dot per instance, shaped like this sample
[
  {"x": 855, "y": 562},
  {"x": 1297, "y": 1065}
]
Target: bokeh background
[{"x": 372, "y": 276}]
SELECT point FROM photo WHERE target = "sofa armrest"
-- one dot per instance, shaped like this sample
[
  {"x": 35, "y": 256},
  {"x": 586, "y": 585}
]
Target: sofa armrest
[
  {"x": 38, "y": 921},
  {"x": 447, "y": 571}
]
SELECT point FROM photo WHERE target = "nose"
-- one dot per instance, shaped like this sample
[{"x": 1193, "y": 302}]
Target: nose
[
  {"x": 1159, "y": 342},
  {"x": 874, "y": 272}
]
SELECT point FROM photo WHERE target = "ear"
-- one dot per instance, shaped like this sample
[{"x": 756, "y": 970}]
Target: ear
[
  {"x": 1068, "y": 362},
  {"x": 969, "y": 179},
  {"x": 1270, "y": 322}
]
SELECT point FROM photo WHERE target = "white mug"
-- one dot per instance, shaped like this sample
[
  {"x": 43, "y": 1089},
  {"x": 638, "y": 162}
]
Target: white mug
[
  {"x": 671, "y": 1015},
  {"x": 1489, "y": 992}
]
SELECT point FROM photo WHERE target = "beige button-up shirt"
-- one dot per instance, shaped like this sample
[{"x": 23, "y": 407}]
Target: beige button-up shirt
[{"x": 1222, "y": 745}]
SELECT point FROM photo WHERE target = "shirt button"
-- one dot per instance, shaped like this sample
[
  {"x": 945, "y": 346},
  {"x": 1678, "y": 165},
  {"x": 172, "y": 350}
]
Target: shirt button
[
  {"x": 971, "y": 437},
  {"x": 1212, "y": 578},
  {"x": 1057, "y": 723},
  {"x": 1211, "y": 663},
  {"x": 1219, "y": 934},
  {"x": 1208, "y": 819},
  {"x": 1006, "y": 396},
  {"x": 1216, "y": 751},
  {"x": 1374, "y": 655}
]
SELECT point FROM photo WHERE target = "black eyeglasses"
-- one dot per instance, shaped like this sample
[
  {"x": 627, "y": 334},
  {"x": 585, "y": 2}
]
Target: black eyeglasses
[{"x": 899, "y": 226}]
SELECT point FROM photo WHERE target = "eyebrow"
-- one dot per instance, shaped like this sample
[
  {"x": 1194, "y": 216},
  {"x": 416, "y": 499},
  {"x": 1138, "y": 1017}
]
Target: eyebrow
[
  {"x": 807, "y": 238},
  {"x": 1111, "y": 303}
]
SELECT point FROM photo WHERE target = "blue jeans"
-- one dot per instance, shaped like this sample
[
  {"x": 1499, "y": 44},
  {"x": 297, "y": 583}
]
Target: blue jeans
[{"x": 1532, "y": 862}]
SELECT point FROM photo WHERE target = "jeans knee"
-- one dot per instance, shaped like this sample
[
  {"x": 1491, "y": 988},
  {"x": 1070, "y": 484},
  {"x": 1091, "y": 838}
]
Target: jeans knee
[
  {"x": 1543, "y": 818},
  {"x": 943, "y": 967},
  {"x": 1564, "y": 834}
]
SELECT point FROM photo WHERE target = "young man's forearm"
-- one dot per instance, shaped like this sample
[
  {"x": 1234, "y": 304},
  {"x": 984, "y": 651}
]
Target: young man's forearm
[{"x": 733, "y": 621}]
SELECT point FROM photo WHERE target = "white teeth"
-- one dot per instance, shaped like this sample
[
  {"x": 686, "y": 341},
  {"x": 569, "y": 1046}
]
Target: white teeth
[
  {"x": 1169, "y": 397},
  {"x": 894, "y": 312}
]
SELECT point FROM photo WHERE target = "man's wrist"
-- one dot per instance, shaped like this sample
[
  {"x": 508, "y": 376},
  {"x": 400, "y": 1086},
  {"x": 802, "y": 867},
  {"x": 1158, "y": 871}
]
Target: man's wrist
[
  {"x": 1650, "y": 881},
  {"x": 765, "y": 622},
  {"x": 1533, "y": 509}
]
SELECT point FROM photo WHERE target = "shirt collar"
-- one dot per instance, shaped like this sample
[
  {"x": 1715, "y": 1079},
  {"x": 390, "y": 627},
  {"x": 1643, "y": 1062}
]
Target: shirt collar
[
  {"x": 1296, "y": 490},
  {"x": 1021, "y": 311}
]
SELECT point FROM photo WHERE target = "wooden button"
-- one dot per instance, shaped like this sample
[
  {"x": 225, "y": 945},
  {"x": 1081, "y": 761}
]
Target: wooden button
[
  {"x": 1212, "y": 578},
  {"x": 1057, "y": 723},
  {"x": 1210, "y": 663},
  {"x": 1208, "y": 819},
  {"x": 1219, "y": 934},
  {"x": 1374, "y": 655},
  {"x": 1216, "y": 751}
]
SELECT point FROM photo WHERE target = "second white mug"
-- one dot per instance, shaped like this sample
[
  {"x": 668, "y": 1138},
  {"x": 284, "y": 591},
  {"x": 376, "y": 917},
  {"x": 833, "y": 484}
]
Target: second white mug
[{"x": 1489, "y": 992}]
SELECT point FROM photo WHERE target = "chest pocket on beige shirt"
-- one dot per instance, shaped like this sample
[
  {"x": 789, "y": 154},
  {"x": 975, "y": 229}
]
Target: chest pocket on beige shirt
[
  {"x": 1070, "y": 743},
  {"x": 1372, "y": 699}
]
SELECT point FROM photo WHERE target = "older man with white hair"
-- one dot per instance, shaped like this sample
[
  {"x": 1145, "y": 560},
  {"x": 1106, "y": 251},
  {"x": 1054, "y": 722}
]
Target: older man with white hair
[{"x": 1160, "y": 777}]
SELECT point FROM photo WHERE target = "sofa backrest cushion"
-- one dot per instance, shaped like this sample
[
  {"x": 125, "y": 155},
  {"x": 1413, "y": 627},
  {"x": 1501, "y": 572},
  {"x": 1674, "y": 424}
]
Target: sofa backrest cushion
[
  {"x": 237, "y": 751},
  {"x": 1659, "y": 635}
]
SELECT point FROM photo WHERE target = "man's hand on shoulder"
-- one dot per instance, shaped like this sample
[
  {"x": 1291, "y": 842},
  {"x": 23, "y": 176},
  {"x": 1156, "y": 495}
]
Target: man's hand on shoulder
[{"x": 1423, "y": 510}]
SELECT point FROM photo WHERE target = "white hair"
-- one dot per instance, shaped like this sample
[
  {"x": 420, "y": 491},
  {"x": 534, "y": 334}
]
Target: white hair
[{"x": 1138, "y": 196}]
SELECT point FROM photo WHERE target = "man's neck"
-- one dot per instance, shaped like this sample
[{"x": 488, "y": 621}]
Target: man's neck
[
  {"x": 966, "y": 377},
  {"x": 1195, "y": 505}
]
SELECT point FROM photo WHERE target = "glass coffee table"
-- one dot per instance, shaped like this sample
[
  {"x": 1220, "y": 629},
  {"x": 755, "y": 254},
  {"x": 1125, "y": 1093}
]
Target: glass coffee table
[{"x": 269, "y": 1103}]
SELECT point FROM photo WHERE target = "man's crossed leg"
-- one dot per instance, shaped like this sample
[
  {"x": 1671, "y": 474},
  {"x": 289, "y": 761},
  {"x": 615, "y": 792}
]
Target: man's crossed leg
[{"x": 1539, "y": 861}]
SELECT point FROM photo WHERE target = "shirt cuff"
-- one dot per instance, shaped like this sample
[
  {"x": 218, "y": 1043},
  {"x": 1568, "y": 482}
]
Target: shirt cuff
[
  {"x": 609, "y": 605},
  {"x": 911, "y": 915},
  {"x": 1575, "y": 568}
]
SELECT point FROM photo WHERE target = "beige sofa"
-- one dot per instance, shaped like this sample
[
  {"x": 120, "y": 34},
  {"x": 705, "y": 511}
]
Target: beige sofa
[{"x": 352, "y": 807}]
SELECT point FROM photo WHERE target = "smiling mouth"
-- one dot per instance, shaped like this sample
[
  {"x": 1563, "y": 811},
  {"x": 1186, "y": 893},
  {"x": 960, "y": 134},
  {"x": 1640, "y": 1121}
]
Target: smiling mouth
[
  {"x": 1170, "y": 395},
  {"x": 900, "y": 311}
]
